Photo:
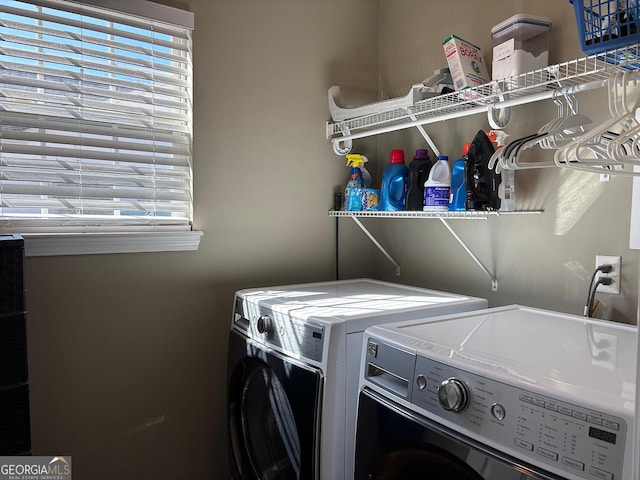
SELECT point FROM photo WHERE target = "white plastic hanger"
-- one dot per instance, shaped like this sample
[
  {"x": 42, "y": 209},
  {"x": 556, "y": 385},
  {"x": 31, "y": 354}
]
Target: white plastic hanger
[
  {"x": 551, "y": 135},
  {"x": 612, "y": 145}
]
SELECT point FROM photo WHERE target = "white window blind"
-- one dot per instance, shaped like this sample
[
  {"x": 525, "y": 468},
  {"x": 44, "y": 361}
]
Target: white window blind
[{"x": 95, "y": 120}]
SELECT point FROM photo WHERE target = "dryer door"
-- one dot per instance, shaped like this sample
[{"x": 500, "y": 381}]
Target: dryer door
[
  {"x": 393, "y": 443},
  {"x": 273, "y": 405}
]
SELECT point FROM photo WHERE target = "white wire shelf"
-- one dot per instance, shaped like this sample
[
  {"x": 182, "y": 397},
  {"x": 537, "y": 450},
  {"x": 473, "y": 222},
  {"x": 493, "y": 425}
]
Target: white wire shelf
[
  {"x": 577, "y": 75},
  {"x": 444, "y": 217},
  {"x": 460, "y": 215}
]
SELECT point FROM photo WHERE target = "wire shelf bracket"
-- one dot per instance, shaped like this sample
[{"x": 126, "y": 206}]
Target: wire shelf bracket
[
  {"x": 487, "y": 272},
  {"x": 443, "y": 217},
  {"x": 377, "y": 244}
]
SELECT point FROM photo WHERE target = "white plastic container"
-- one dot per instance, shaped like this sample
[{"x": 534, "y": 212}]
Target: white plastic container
[
  {"x": 520, "y": 45},
  {"x": 437, "y": 188}
]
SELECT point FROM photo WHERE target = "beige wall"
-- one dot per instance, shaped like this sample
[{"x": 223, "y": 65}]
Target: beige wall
[
  {"x": 543, "y": 260},
  {"x": 128, "y": 352}
]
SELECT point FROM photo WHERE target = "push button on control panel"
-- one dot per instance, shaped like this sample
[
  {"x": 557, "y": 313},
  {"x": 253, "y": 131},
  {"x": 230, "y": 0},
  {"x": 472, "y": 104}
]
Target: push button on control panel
[
  {"x": 579, "y": 415},
  {"x": 522, "y": 444},
  {"x": 597, "y": 473},
  {"x": 538, "y": 402},
  {"x": 594, "y": 419},
  {"x": 548, "y": 454},
  {"x": 570, "y": 462},
  {"x": 565, "y": 411}
]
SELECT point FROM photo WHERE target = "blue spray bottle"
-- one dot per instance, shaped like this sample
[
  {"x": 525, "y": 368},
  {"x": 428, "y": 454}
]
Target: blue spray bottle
[{"x": 359, "y": 177}]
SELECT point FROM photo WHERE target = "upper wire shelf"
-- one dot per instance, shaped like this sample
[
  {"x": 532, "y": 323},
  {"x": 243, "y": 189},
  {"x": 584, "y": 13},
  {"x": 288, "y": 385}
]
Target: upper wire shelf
[
  {"x": 461, "y": 215},
  {"x": 573, "y": 76}
]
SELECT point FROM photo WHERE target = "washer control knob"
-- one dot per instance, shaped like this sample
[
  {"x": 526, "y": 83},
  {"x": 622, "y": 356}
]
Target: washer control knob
[
  {"x": 453, "y": 395},
  {"x": 264, "y": 324},
  {"x": 421, "y": 381},
  {"x": 498, "y": 412}
]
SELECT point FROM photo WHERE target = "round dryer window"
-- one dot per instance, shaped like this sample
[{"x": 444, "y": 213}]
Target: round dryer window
[{"x": 269, "y": 428}]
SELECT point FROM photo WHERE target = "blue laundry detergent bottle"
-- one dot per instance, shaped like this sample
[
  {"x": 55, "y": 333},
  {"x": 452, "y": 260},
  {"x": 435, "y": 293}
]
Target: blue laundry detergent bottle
[
  {"x": 394, "y": 183},
  {"x": 458, "y": 195}
]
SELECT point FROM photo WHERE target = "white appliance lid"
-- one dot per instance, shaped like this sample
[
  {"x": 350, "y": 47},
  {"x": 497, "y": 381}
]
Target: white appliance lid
[
  {"x": 562, "y": 352},
  {"x": 350, "y": 300}
]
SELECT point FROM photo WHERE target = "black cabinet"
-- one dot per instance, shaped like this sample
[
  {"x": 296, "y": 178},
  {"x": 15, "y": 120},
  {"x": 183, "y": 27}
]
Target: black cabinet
[{"x": 15, "y": 430}]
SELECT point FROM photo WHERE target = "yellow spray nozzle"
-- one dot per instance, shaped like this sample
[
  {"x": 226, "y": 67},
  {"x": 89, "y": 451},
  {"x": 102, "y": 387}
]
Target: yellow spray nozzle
[{"x": 356, "y": 160}]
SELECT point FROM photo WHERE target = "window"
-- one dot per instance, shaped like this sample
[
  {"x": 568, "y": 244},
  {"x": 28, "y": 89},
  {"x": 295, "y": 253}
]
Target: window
[{"x": 95, "y": 119}]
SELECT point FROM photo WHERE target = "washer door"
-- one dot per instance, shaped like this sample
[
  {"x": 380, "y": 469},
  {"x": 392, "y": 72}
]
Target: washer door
[
  {"x": 273, "y": 406},
  {"x": 393, "y": 443},
  {"x": 419, "y": 462}
]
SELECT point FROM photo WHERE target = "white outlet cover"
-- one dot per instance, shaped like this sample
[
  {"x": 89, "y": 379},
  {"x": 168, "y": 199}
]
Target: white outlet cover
[{"x": 615, "y": 262}]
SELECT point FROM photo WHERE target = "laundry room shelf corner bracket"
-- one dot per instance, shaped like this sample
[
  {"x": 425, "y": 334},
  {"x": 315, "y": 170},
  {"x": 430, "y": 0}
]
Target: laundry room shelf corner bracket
[
  {"x": 376, "y": 243},
  {"x": 487, "y": 272}
]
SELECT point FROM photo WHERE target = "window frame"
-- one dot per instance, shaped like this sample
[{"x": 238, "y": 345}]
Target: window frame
[{"x": 114, "y": 241}]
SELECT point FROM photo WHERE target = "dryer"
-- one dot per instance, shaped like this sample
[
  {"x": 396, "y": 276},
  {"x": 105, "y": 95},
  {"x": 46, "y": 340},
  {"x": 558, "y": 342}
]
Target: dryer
[
  {"x": 293, "y": 369},
  {"x": 510, "y": 393}
]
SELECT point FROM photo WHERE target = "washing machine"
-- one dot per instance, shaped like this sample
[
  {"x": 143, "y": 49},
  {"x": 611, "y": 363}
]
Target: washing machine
[
  {"x": 510, "y": 393},
  {"x": 293, "y": 369}
]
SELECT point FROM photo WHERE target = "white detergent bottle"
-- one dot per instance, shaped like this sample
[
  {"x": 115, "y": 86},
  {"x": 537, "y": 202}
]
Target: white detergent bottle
[{"x": 438, "y": 186}]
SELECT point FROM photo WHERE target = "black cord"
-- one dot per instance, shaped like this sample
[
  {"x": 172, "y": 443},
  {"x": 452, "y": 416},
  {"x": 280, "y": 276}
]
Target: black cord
[
  {"x": 587, "y": 305},
  {"x": 337, "y": 205},
  {"x": 592, "y": 296},
  {"x": 337, "y": 249},
  {"x": 591, "y": 293}
]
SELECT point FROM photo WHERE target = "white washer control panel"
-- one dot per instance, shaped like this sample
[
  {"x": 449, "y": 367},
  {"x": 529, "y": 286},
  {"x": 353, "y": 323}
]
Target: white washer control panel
[
  {"x": 537, "y": 428},
  {"x": 293, "y": 337}
]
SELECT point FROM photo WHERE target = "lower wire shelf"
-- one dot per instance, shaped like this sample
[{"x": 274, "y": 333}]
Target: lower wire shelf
[
  {"x": 442, "y": 216},
  {"x": 456, "y": 215}
]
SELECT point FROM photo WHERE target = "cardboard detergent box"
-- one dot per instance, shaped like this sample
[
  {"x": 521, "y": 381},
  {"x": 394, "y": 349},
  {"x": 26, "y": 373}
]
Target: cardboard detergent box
[
  {"x": 466, "y": 64},
  {"x": 359, "y": 199}
]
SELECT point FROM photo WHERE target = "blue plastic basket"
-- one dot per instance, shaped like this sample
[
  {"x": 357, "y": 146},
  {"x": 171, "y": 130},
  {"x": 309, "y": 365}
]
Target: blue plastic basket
[{"x": 605, "y": 25}]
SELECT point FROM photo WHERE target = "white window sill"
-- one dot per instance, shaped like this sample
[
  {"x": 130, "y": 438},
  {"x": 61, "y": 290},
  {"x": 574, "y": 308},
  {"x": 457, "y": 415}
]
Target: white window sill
[{"x": 37, "y": 245}]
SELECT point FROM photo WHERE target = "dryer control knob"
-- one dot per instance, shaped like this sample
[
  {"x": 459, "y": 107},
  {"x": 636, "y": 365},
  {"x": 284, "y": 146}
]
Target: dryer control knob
[
  {"x": 264, "y": 324},
  {"x": 453, "y": 395}
]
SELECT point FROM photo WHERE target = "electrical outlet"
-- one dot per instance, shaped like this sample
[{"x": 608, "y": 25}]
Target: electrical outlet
[{"x": 614, "y": 274}]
